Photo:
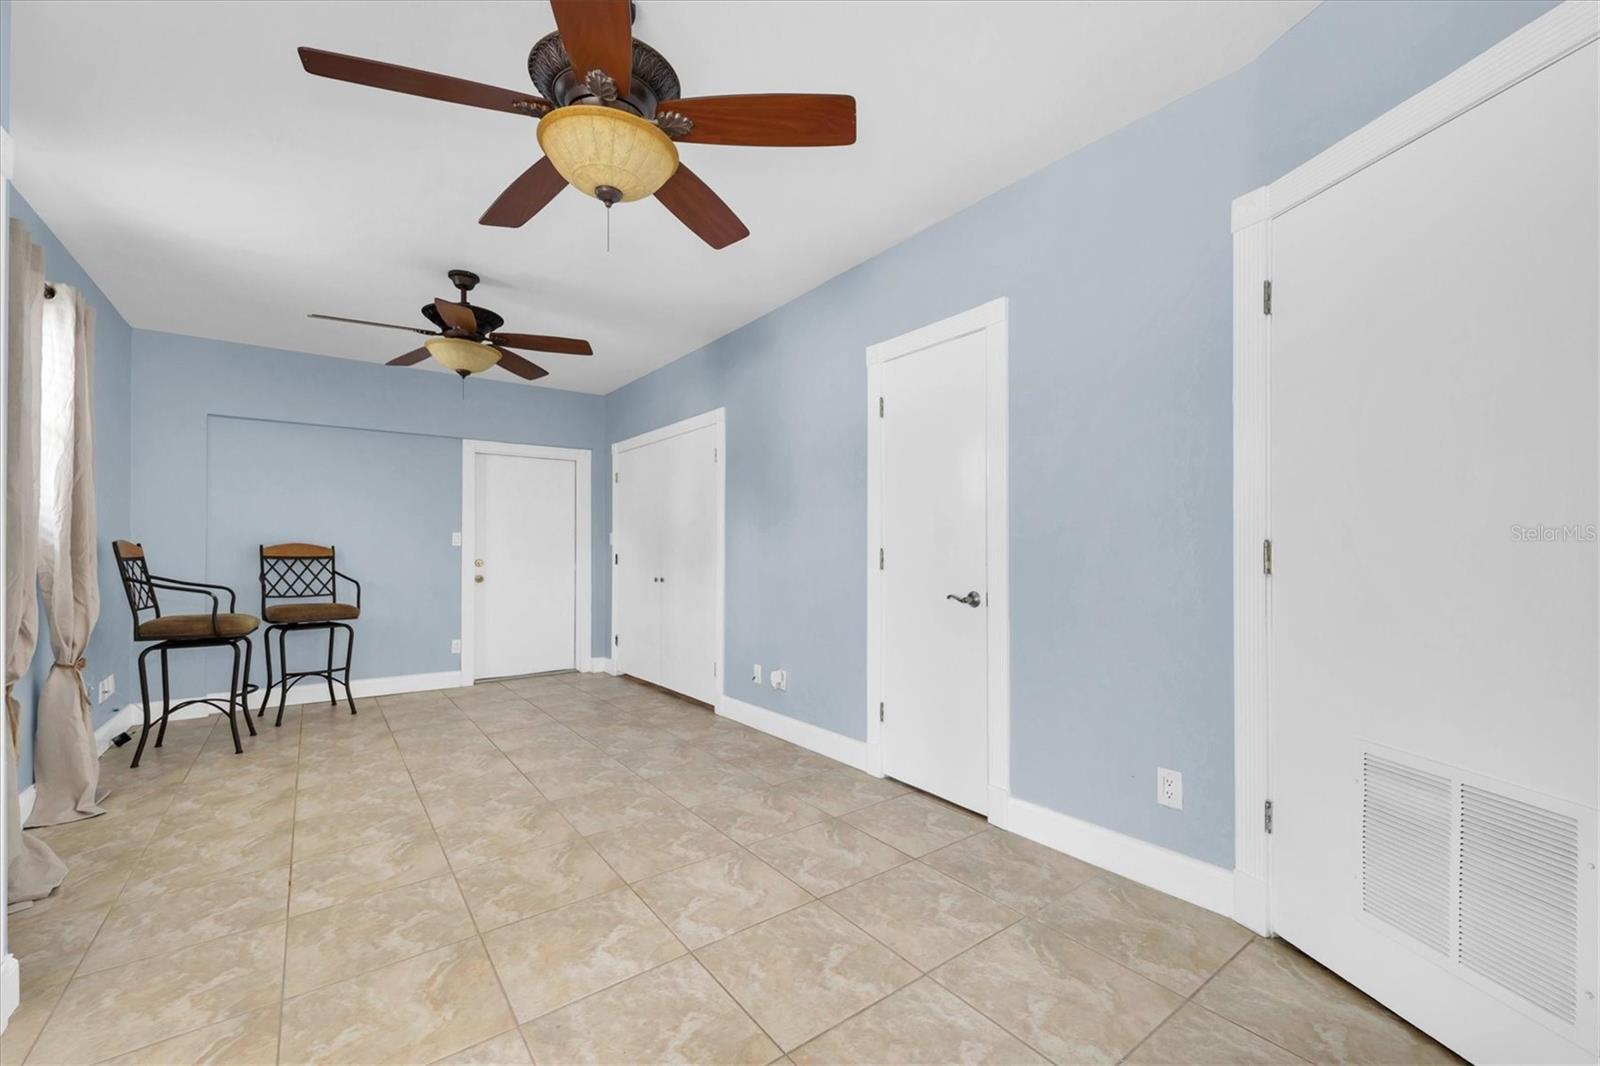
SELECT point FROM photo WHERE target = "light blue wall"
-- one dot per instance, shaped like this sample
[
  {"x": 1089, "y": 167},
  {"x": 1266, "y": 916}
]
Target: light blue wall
[
  {"x": 235, "y": 446},
  {"x": 110, "y": 644},
  {"x": 1117, "y": 263}
]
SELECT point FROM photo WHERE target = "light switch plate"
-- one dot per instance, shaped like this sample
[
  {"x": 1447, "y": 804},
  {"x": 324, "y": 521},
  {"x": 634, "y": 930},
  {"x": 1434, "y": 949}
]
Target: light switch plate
[
  {"x": 755, "y": 673},
  {"x": 455, "y": 540},
  {"x": 108, "y": 688},
  {"x": 780, "y": 680},
  {"x": 1169, "y": 788},
  {"x": 455, "y": 647}
]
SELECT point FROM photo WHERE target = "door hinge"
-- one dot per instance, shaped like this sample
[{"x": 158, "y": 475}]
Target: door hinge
[
  {"x": 616, "y": 641},
  {"x": 616, "y": 560},
  {"x": 1266, "y": 557},
  {"x": 880, "y": 406},
  {"x": 880, "y": 558},
  {"x": 1268, "y": 817},
  {"x": 716, "y": 455},
  {"x": 880, "y": 712},
  {"x": 713, "y": 669},
  {"x": 1266, "y": 297},
  {"x": 617, "y": 477}
]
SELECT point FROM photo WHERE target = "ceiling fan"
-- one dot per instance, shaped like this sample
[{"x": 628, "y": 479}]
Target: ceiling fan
[
  {"x": 467, "y": 338},
  {"x": 610, "y": 118}
]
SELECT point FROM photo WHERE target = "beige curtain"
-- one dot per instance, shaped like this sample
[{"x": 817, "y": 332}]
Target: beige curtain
[
  {"x": 66, "y": 766},
  {"x": 32, "y": 869}
]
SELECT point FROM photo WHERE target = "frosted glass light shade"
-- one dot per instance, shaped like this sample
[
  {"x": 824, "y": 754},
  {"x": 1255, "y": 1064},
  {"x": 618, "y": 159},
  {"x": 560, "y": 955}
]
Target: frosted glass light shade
[
  {"x": 592, "y": 145},
  {"x": 462, "y": 356}
]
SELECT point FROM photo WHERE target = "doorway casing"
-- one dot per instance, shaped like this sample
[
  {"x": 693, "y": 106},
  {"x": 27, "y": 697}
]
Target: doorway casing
[
  {"x": 581, "y": 457},
  {"x": 992, "y": 321}
]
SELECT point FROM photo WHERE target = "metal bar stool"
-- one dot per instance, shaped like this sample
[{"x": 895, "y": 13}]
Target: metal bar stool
[
  {"x": 305, "y": 575},
  {"x": 170, "y": 631}
]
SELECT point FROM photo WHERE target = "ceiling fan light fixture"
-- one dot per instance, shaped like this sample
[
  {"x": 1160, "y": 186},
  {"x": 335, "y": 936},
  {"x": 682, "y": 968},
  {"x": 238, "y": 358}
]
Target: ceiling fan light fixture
[
  {"x": 463, "y": 356},
  {"x": 595, "y": 147}
]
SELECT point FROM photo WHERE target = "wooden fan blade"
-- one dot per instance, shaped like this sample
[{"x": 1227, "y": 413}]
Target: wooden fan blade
[
  {"x": 526, "y": 196},
  {"x": 701, "y": 209},
  {"x": 411, "y": 358},
  {"x": 519, "y": 366},
  {"x": 399, "y": 79},
  {"x": 598, "y": 34},
  {"x": 773, "y": 120},
  {"x": 456, "y": 316},
  {"x": 384, "y": 325},
  {"x": 534, "y": 342}
]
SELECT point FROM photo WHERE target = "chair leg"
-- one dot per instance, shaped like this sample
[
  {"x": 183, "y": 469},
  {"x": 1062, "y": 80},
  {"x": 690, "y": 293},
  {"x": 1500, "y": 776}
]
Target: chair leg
[
  {"x": 244, "y": 687},
  {"x": 166, "y": 700},
  {"x": 233, "y": 696},
  {"x": 333, "y": 700},
  {"x": 283, "y": 674},
  {"x": 144, "y": 700},
  {"x": 266, "y": 690},
  {"x": 349, "y": 650}
]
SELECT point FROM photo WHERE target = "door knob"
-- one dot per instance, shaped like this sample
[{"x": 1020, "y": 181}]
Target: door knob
[
  {"x": 477, "y": 562},
  {"x": 477, "y": 578},
  {"x": 971, "y": 599}
]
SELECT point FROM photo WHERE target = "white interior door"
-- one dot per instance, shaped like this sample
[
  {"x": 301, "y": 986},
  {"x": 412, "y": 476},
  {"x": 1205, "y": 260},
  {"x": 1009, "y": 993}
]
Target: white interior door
[
  {"x": 1433, "y": 682},
  {"x": 935, "y": 587},
  {"x": 666, "y": 533},
  {"x": 639, "y": 500},
  {"x": 525, "y": 565},
  {"x": 689, "y": 565}
]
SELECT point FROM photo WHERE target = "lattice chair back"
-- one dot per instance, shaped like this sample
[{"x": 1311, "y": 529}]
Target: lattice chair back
[
  {"x": 136, "y": 581},
  {"x": 296, "y": 572}
]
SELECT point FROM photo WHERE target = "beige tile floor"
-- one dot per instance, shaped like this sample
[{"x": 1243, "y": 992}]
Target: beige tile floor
[{"x": 579, "y": 868}]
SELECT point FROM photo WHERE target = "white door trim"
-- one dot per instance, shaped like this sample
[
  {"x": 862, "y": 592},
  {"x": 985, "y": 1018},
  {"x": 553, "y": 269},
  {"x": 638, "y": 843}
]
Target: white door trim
[
  {"x": 992, "y": 319},
  {"x": 1544, "y": 41},
  {"x": 470, "y": 450},
  {"x": 717, "y": 418}
]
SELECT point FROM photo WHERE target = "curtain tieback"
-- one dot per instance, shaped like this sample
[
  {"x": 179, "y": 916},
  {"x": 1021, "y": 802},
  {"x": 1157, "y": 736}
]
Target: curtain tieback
[{"x": 76, "y": 664}]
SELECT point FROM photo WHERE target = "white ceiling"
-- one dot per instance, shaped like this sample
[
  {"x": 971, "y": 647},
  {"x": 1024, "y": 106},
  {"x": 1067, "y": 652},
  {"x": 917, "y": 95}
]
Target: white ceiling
[{"x": 214, "y": 188}]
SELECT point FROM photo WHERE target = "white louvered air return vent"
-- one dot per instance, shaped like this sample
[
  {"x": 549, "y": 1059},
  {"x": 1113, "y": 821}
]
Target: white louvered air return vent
[
  {"x": 1405, "y": 850},
  {"x": 1518, "y": 909}
]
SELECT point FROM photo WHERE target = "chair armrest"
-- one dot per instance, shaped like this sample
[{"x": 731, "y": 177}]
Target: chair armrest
[
  {"x": 184, "y": 586},
  {"x": 336, "y": 576},
  {"x": 179, "y": 585}
]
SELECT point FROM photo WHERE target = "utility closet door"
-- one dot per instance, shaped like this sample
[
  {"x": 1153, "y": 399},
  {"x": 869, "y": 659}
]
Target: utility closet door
[{"x": 1433, "y": 627}]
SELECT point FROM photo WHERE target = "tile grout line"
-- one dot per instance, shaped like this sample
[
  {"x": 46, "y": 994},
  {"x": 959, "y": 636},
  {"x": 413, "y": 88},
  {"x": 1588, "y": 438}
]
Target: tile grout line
[{"x": 288, "y": 901}]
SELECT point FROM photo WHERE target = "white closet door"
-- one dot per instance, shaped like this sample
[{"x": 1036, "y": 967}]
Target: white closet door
[
  {"x": 640, "y": 495},
  {"x": 689, "y": 601},
  {"x": 1433, "y": 597}
]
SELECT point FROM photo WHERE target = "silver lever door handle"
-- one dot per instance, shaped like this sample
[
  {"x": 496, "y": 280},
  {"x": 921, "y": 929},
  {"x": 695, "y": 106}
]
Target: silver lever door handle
[{"x": 971, "y": 599}]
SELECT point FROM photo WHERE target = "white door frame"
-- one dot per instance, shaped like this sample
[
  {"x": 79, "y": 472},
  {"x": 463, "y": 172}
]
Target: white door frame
[
  {"x": 717, "y": 418},
  {"x": 470, "y": 450},
  {"x": 992, "y": 320},
  {"x": 1543, "y": 41}
]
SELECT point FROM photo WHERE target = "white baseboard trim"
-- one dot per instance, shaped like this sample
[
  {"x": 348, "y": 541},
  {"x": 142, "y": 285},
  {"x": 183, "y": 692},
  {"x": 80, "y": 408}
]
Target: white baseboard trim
[
  {"x": 596, "y": 666},
  {"x": 309, "y": 691},
  {"x": 10, "y": 988},
  {"x": 1176, "y": 874},
  {"x": 25, "y": 800},
  {"x": 826, "y": 742}
]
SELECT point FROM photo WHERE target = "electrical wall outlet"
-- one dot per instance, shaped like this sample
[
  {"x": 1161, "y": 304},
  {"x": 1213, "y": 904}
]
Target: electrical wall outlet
[
  {"x": 455, "y": 647},
  {"x": 108, "y": 688},
  {"x": 780, "y": 680},
  {"x": 455, "y": 540},
  {"x": 755, "y": 673},
  {"x": 1169, "y": 788}
]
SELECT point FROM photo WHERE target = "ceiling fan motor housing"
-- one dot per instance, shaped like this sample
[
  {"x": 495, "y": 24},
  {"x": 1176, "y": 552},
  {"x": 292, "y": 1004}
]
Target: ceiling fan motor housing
[{"x": 653, "y": 79}]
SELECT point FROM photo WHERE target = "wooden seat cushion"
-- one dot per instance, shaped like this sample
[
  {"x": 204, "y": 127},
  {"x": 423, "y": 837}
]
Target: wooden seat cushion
[
  {"x": 197, "y": 626},
  {"x": 311, "y": 612}
]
